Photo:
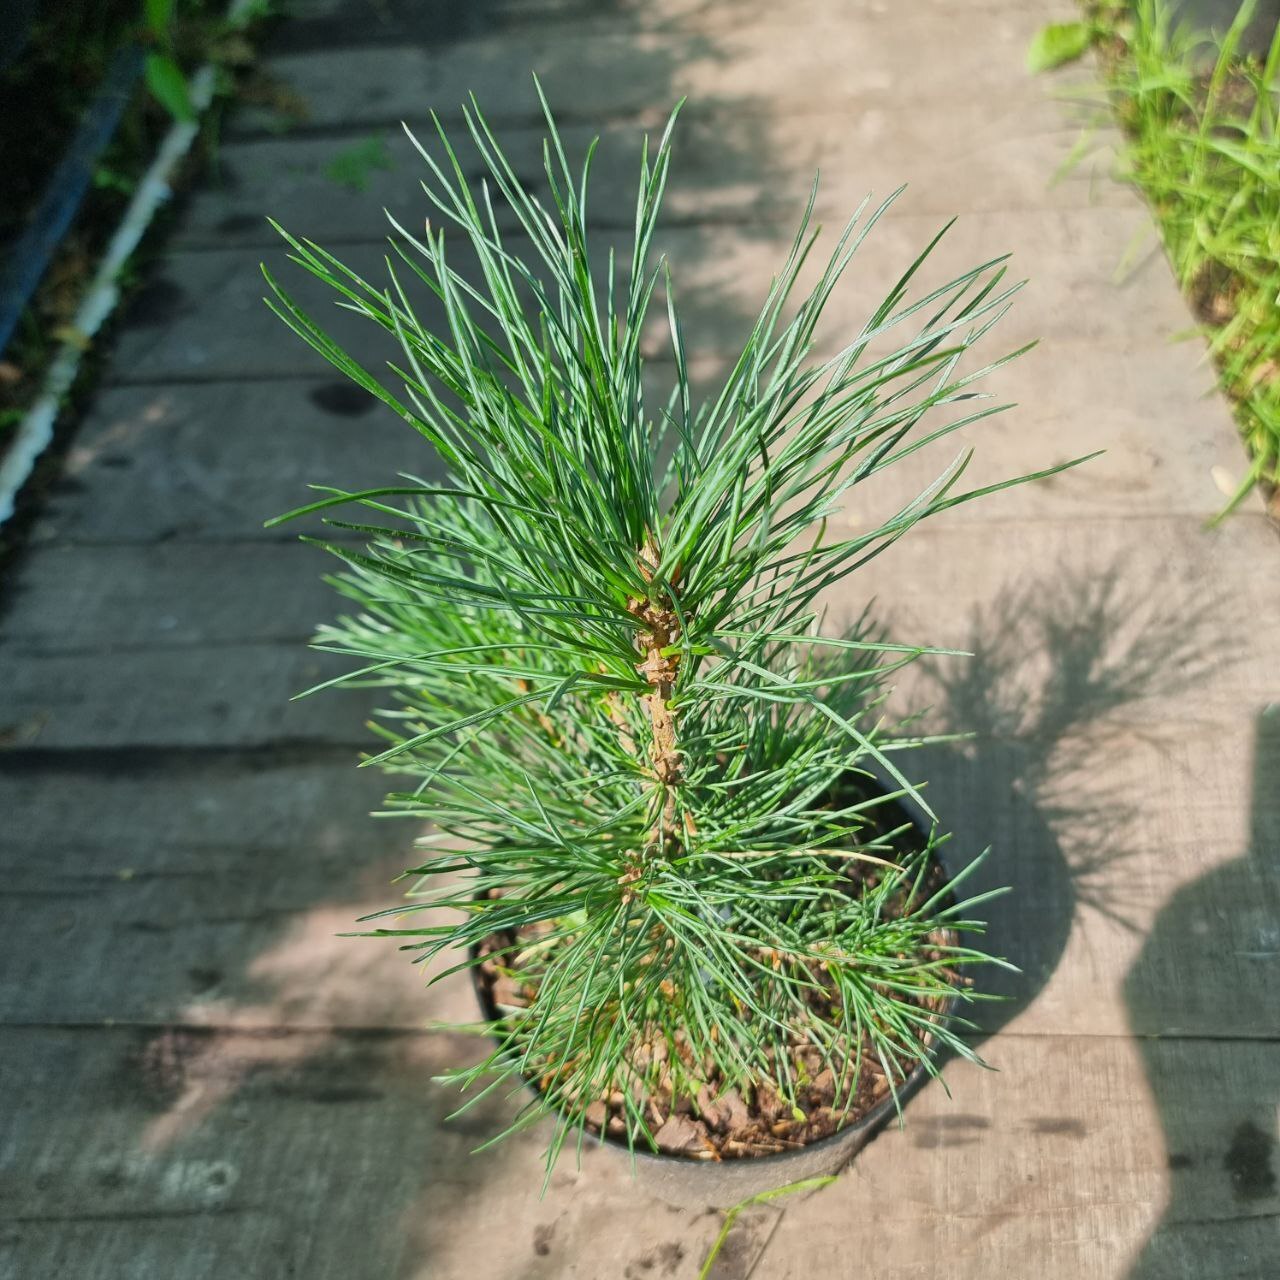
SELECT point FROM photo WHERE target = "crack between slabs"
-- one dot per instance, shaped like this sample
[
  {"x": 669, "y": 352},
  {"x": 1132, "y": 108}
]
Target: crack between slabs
[
  {"x": 131, "y": 761},
  {"x": 1066, "y": 519},
  {"x": 126, "y": 1215},
  {"x": 353, "y": 1031}
]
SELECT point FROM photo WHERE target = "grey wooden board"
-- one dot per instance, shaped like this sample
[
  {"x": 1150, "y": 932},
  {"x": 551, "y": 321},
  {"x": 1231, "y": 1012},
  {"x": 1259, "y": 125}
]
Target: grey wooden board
[
  {"x": 180, "y": 1152},
  {"x": 151, "y": 918},
  {"x": 234, "y": 696},
  {"x": 214, "y": 461},
  {"x": 256, "y": 945},
  {"x": 1067, "y": 1179},
  {"x": 188, "y": 596},
  {"x": 204, "y": 316},
  {"x": 173, "y": 595},
  {"x": 224, "y": 816},
  {"x": 317, "y": 24},
  {"x": 969, "y": 159},
  {"x": 172, "y": 1144},
  {"x": 600, "y": 71},
  {"x": 182, "y": 911},
  {"x": 151, "y": 635},
  {"x": 1076, "y": 782}
]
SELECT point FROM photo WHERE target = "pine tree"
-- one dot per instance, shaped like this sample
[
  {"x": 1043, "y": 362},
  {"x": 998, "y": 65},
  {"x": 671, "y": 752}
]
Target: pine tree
[{"x": 665, "y": 802}]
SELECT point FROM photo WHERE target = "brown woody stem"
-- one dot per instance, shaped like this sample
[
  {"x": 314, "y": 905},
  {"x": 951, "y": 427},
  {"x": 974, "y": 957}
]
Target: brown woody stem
[{"x": 660, "y": 631}]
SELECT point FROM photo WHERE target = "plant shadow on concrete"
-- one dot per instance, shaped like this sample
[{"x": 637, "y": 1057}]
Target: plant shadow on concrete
[
  {"x": 1057, "y": 661},
  {"x": 1201, "y": 997}
]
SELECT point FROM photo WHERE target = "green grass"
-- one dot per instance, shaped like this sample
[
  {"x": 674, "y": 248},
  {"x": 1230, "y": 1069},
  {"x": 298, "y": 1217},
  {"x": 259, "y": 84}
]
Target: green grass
[
  {"x": 1199, "y": 117},
  {"x": 354, "y": 166},
  {"x": 44, "y": 93}
]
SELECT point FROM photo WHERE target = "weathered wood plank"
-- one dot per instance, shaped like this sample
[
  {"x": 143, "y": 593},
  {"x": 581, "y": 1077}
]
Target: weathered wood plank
[
  {"x": 166, "y": 1122},
  {"x": 204, "y": 317},
  {"x": 1064, "y": 1244},
  {"x": 1081, "y": 793},
  {"x": 1074, "y": 1173},
  {"x": 87, "y": 600},
  {"x": 167, "y": 860},
  {"x": 258, "y": 945},
  {"x": 1113, "y": 766},
  {"x": 215, "y": 460},
  {"x": 153, "y": 916},
  {"x": 235, "y": 696},
  {"x": 131, "y": 817},
  {"x": 598, "y": 72},
  {"x": 162, "y": 890},
  {"x": 728, "y": 166},
  {"x": 940, "y": 586},
  {"x": 329, "y": 1154}
]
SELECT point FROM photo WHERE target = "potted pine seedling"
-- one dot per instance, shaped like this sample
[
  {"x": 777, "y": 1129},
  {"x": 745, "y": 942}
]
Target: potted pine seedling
[{"x": 699, "y": 896}]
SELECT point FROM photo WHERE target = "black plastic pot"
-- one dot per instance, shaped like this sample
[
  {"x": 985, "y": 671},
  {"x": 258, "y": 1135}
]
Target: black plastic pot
[{"x": 721, "y": 1184}]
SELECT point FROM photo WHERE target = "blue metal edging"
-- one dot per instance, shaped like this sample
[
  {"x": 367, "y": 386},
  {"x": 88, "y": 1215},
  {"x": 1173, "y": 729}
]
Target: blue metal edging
[{"x": 29, "y": 257}]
